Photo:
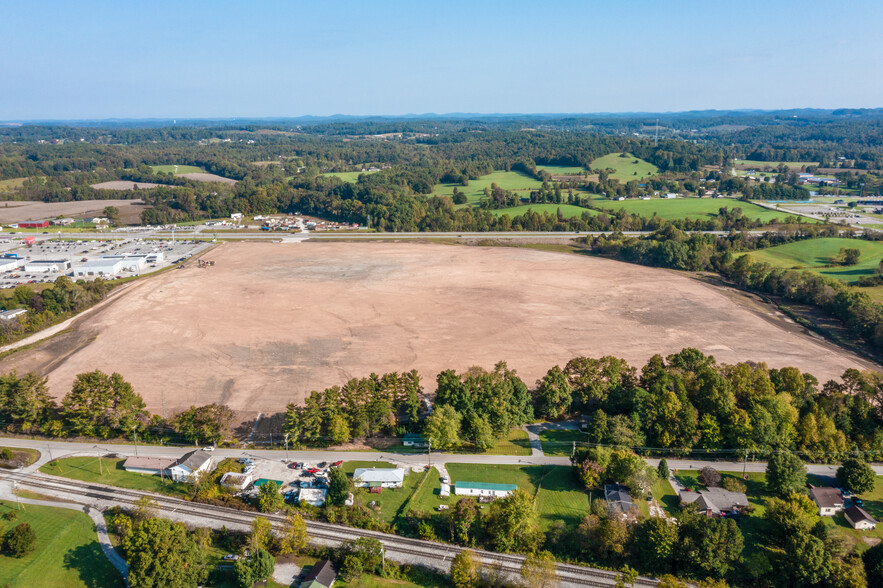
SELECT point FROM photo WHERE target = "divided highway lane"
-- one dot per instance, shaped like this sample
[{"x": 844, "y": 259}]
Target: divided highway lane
[{"x": 398, "y": 548}]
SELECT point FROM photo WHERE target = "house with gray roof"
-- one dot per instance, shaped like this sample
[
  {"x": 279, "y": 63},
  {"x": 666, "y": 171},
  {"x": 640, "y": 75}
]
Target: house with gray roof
[
  {"x": 715, "y": 501},
  {"x": 191, "y": 463},
  {"x": 619, "y": 501},
  {"x": 829, "y": 500}
]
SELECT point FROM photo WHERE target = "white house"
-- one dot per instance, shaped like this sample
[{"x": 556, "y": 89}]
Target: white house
[
  {"x": 236, "y": 481},
  {"x": 378, "y": 477},
  {"x": 313, "y": 496},
  {"x": 829, "y": 500},
  {"x": 484, "y": 489},
  {"x": 7, "y": 315},
  {"x": 191, "y": 463},
  {"x": 858, "y": 518}
]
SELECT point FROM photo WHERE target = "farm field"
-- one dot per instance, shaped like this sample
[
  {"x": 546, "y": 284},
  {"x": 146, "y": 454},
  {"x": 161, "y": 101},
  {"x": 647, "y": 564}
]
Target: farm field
[
  {"x": 507, "y": 180},
  {"x": 567, "y": 210},
  {"x": 283, "y": 320},
  {"x": 626, "y": 169},
  {"x": 11, "y": 184},
  {"x": 563, "y": 170},
  {"x": 815, "y": 254},
  {"x": 67, "y": 554},
  {"x": 697, "y": 208},
  {"x": 124, "y": 185},
  {"x": 13, "y": 212},
  {"x": 110, "y": 471},
  {"x": 177, "y": 169},
  {"x": 773, "y": 164}
]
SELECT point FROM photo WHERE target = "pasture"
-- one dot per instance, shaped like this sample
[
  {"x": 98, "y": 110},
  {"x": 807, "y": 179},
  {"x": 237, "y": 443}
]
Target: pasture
[
  {"x": 626, "y": 168},
  {"x": 67, "y": 552},
  {"x": 12, "y": 184},
  {"x": 816, "y": 254},
  {"x": 696, "y": 208},
  {"x": 351, "y": 177},
  {"x": 567, "y": 210},
  {"x": 563, "y": 170},
  {"x": 177, "y": 169},
  {"x": 507, "y": 180}
]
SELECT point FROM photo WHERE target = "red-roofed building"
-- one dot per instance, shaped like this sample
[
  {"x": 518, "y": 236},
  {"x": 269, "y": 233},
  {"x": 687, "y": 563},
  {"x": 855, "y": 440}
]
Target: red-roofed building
[{"x": 33, "y": 224}]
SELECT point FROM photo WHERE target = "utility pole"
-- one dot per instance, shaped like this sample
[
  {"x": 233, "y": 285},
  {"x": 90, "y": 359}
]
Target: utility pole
[
  {"x": 573, "y": 451},
  {"x": 100, "y": 468},
  {"x": 286, "y": 446},
  {"x": 49, "y": 449},
  {"x": 430, "y": 451},
  {"x": 745, "y": 465},
  {"x": 135, "y": 438}
]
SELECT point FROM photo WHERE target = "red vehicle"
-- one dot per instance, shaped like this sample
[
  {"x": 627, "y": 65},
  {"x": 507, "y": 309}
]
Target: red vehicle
[
  {"x": 292, "y": 466},
  {"x": 311, "y": 470},
  {"x": 337, "y": 464}
]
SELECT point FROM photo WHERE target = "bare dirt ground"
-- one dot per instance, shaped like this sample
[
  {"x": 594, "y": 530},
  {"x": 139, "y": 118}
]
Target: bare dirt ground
[
  {"x": 13, "y": 212},
  {"x": 201, "y": 177},
  {"x": 124, "y": 185},
  {"x": 271, "y": 322}
]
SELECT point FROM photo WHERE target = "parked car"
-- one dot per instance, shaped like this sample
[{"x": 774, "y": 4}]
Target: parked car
[
  {"x": 311, "y": 470},
  {"x": 231, "y": 557},
  {"x": 292, "y": 466},
  {"x": 210, "y": 448},
  {"x": 337, "y": 464},
  {"x": 858, "y": 502},
  {"x": 322, "y": 464}
]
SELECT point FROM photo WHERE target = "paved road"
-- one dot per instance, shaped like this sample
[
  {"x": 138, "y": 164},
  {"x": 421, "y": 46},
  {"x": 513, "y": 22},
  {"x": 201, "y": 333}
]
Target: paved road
[{"x": 57, "y": 449}]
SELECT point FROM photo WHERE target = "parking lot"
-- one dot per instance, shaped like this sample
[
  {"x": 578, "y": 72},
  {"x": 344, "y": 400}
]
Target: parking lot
[
  {"x": 75, "y": 254},
  {"x": 294, "y": 476}
]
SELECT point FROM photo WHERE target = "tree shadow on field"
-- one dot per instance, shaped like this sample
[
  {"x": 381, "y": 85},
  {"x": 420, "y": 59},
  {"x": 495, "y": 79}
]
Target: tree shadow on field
[{"x": 93, "y": 567}]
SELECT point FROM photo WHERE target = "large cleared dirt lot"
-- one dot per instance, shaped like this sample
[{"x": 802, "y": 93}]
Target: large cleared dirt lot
[{"x": 270, "y": 322}]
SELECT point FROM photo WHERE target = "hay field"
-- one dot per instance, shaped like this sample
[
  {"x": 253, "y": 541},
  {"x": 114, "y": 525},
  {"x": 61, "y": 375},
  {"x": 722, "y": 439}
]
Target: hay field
[
  {"x": 125, "y": 185},
  {"x": 816, "y": 254},
  {"x": 271, "y": 322},
  {"x": 507, "y": 180},
  {"x": 177, "y": 169},
  {"x": 626, "y": 168},
  {"x": 697, "y": 208},
  {"x": 13, "y": 212}
]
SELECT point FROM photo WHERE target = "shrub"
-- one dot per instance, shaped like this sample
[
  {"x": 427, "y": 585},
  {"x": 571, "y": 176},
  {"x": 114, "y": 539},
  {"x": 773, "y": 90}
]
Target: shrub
[
  {"x": 709, "y": 477},
  {"x": 734, "y": 484},
  {"x": 21, "y": 540}
]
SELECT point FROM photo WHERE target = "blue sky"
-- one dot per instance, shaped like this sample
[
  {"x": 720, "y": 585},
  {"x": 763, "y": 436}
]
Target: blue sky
[{"x": 68, "y": 60}]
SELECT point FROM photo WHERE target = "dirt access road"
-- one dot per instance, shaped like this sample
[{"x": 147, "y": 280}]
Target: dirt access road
[{"x": 269, "y": 322}]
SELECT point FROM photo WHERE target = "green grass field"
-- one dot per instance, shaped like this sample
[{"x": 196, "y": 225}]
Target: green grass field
[
  {"x": 697, "y": 208},
  {"x": 815, "y": 254},
  {"x": 567, "y": 210},
  {"x": 563, "y": 170},
  {"x": 516, "y": 443},
  {"x": 11, "y": 184},
  {"x": 177, "y": 169},
  {"x": 351, "y": 177},
  {"x": 774, "y": 164},
  {"x": 110, "y": 471},
  {"x": 560, "y": 443},
  {"x": 21, "y": 456},
  {"x": 512, "y": 181},
  {"x": 67, "y": 554},
  {"x": 559, "y": 495},
  {"x": 626, "y": 168}
]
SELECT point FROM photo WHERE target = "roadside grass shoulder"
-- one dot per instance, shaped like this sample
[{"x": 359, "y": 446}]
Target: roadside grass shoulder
[
  {"x": 110, "y": 471},
  {"x": 21, "y": 457},
  {"x": 515, "y": 443},
  {"x": 560, "y": 442},
  {"x": 67, "y": 552}
]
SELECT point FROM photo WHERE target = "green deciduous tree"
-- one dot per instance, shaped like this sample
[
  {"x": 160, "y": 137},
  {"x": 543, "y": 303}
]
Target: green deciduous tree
[
  {"x": 785, "y": 473},
  {"x": 465, "y": 570},
  {"x": 539, "y": 571},
  {"x": 856, "y": 475},
  {"x": 21, "y": 540},
  {"x": 162, "y": 554},
  {"x": 261, "y": 534},
  {"x": 294, "y": 534},
  {"x": 554, "y": 394},
  {"x": 338, "y": 487},
  {"x": 513, "y": 523},
  {"x": 443, "y": 427},
  {"x": 256, "y": 568},
  {"x": 655, "y": 540},
  {"x": 269, "y": 499},
  {"x": 210, "y": 423},
  {"x": 707, "y": 546},
  {"x": 101, "y": 404}
]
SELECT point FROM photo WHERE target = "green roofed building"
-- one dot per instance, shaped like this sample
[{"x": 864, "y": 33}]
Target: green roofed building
[
  {"x": 413, "y": 440},
  {"x": 261, "y": 481},
  {"x": 484, "y": 489}
]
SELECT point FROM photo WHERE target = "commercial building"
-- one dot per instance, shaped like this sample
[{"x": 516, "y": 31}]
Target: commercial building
[
  {"x": 378, "y": 477},
  {"x": 191, "y": 463},
  {"x": 7, "y": 315},
  {"x": 236, "y": 481},
  {"x": 153, "y": 466},
  {"x": 129, "y": 262},
  {"x": 99, "y": 267},
  {"x": 9, "y": 264},
  {"x": 33, "y": 224},
  {"x": 55, "y": 265},
  {"x": 484, "y": 489},
  {"x": 313, "y": 496}
]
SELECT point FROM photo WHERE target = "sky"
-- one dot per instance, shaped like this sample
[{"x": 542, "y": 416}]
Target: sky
[{"x": 220, "y": 59}]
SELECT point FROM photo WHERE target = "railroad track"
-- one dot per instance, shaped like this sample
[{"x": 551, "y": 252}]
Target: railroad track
[{"x": 424, "y": 550}]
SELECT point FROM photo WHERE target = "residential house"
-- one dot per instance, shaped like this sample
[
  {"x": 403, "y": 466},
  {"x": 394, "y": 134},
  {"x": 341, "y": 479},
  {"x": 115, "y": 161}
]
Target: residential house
[
  {"x": 858, "y": 518},
  {"x": 715, "y": 502},
  {"x": 485, "y": 490},
  {"x": 829, "y": 500},
  {"x": 321, "y": 575},
  {"x": 378, "y": 477},
  {"x": 619, "y": 501},
  {"x": 191, "y": 463},
  {"x": 153, "y": 466}
]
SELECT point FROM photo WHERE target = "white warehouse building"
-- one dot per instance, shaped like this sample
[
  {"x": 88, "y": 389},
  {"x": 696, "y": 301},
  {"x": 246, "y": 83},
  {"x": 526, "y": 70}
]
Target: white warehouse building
[
  {"x": 99, "y": 267},
  {"x": 9, "y": 264},
  {"x": 56, "y": 265},
  {"x": 378, "y": 477}
]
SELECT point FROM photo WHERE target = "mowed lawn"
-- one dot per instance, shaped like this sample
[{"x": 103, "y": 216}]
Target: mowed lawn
[
  {"x": 507, "y": 180},
  {"x": 563, "y": 170},
  {"x": 567, "y": 210},
  {"x": 177, "y": 169},
  {"x": 560, "y": 441},
  {"x": 390, "y": 500},
  {"x": 696, "y": 208},
  {"x": 351, "y": 177},
  {"x": 626, "y": 168},
  {"x": 67, "y": 552},
  {"x": 815, "y": 254},
  {"x": 111, "y": 472}
]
